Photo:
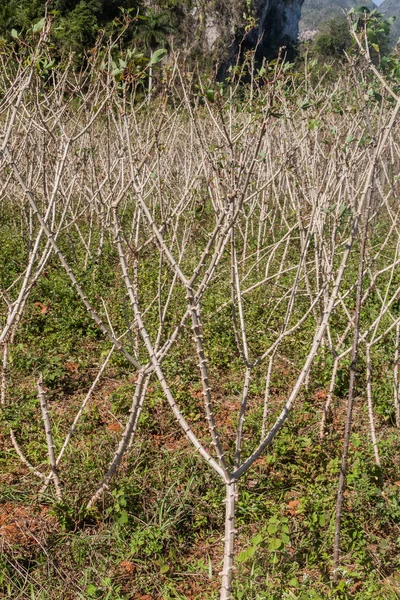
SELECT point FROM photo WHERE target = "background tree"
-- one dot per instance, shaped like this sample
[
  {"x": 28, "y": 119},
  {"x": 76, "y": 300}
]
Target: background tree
[
  {"x": 154, "y": 31},
  {"x": 377, "y": 29},
  {"x": 76, "y": 23},
  {"x": 334, "y": 38}
]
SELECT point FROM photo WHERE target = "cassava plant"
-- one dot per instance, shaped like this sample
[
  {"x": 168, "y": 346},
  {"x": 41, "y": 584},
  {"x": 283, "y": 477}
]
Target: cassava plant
[{"x": 207, "y": 196}]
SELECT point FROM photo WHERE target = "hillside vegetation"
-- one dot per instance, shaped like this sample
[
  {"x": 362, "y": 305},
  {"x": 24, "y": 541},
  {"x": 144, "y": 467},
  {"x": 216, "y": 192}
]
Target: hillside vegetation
[
  {"x": 208, "y": 32},
  {"x": 200, "y": 325},
  {"x": 391, "y": 8},
  {"x": 316, "y": 12}
]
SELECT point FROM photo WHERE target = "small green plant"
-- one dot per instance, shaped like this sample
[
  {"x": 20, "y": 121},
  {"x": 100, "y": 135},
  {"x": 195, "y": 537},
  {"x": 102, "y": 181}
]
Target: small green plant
[{"x": 118, "y": 509}]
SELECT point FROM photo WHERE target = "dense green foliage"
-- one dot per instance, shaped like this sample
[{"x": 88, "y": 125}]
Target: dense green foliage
[
  {"x": 76, "y": 25},
  {"x": 334, "y": 38}
]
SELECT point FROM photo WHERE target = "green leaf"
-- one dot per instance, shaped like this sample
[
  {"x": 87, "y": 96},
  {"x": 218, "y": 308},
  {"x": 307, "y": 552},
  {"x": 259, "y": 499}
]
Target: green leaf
[
  {"x": 275, "y": 544},
  {"x": 38, "y": 26},
  {"x": 91, "y": 590},
  {"x": 157, "y": 56},
  {"x": 256, "y": 540},
  {"x": 285, "y": 539},
  {"x": 14, "y": 34},
  {"x": 304, "y": 104},
  {"x": 210, "y": 95},
  {"x": 164, "y": 569},
  {"x": 272, "y": 528},
  {"x": 246, "y": 554},
  {"x": 285, "y": 529},
  {"x": 123, "y": 518},
  {"x": 274, "y": 520},
  {"x": 117, "y": 73}
]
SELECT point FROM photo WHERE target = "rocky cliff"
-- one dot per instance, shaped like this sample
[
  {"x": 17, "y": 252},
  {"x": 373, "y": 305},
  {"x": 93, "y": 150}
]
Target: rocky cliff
[
  {"x": 220, "y": 29},
  {"x": 277, "y": 25}
]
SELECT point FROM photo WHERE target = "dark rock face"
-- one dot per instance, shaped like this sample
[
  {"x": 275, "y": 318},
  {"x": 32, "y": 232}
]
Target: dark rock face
[
  {"x": 278, "y": 25},
  {"x": 216, "y": 29}
]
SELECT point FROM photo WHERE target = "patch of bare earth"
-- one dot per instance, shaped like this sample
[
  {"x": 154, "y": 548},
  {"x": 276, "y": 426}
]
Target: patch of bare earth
[{"x": 25, "y": 527}]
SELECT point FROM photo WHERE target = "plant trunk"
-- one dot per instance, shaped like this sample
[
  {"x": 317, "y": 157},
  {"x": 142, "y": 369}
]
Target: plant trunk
[
  {"x": 150, "y": 82},
  {"x": 351, "y": 397},
  {"x": 229, "y": 541}
]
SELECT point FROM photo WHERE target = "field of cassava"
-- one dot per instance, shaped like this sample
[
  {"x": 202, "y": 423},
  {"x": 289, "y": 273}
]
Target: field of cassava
[{"x": 200, "y": 332}]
